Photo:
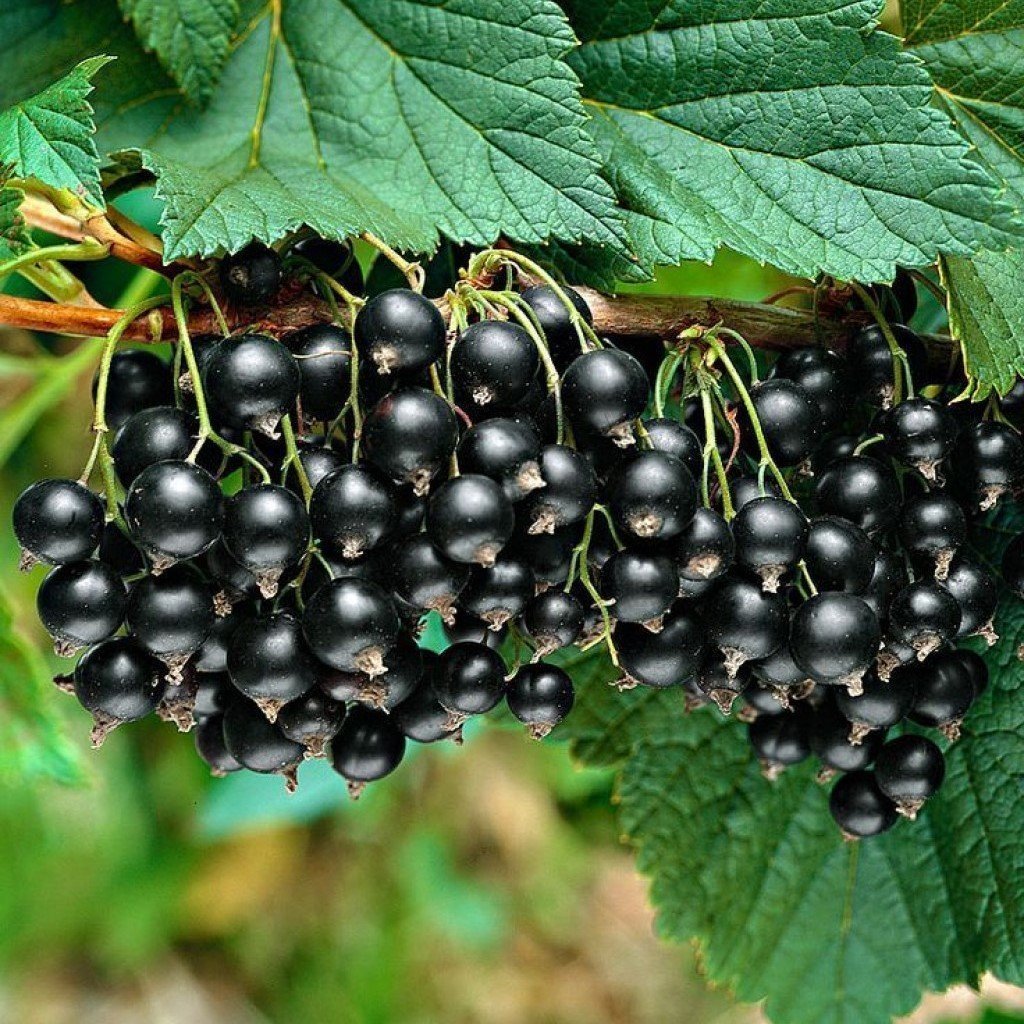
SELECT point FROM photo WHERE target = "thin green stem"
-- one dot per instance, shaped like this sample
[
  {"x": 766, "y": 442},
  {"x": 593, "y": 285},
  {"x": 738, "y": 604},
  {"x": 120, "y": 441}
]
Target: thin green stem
[
  {"x": 664, "y": 379},
  {"x": 84, "y": 251},
  {"x": 292, "y": 449},
  {"x": 899, "y": 357},
  {"x": 413, "y": 272},
  {"x": 712, "y": 454},
  {"x": 580, "y": 553}
]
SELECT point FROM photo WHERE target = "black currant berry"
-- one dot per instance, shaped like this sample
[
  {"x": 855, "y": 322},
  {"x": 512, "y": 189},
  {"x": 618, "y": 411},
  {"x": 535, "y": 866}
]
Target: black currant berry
[
  {"x": 549, "y": 555},
  {"x": 422, "y": 717},
  {"x": 138, "y": 380},
  {"x": 553, "y": 619},
  {"x": 158, "y": 434},
  {"x": 910, "y": 769},
  {"x": 872, "y": 365},
  {"x": 933, "y": 526},
  {"x": 312, "y": 720},
  {"x": 269, "y": 662},
  {"x": 258, "y": 744},
  {"x": 422, "y": 577},
  {"x": 117, "y": 681},
  {"x": 705, "y": 549},
  {"x": 667, "y": 658},
  {"x": 175, "y": 511},
  {"x": 823, "y": 375},
  {"x": 977, "y": 594},
  {"x": 859, "y": 807},
  {"x": 780, "y": 741},
  {"x": 832, "y": 744},
  {"x": 715, "y": 682},
  {"x": 770, "y": 535},
  {"x": 368, "y": 746},
  {"x": 470, "y": 679},
  {"x": 988, "y": 461},
  {"x": 334, "y": 258},
  {"x": 507, "y": 451},
  {"x": 400, "y": 331},
  {"x": 652, "y": 496},
  {"x": 252, "y": 275},
  {"x": 779, "y": 670},
  {"x": 57, "y": 521},
  {"x": 832, "y": 449},
  {"x": 81, "y": 603},
  {"x": 403, "y": 672},
  {"x": 888, "y": 578},
  {"x": 923, "y": 616},
  {"x": 214, "y": 694},
  {"x": 498, "y": 593},
  {"x": 569, "y": 491},
  {"x": 746, "y": 488},
  {"x": 540, "y": 696},
  {"x": 267, "y": 530},
  {"x": 789, "y": 417},
  {"x": 642, "y": 585},
  {"x": 675, "y": 438},
  {"x": 919, "y": 433},
  {"x": 119, "y": 551},
  {"x": 839, "y": 555},
  {"x": 352, "y": 510},
  {"x": 880, "y": 704},
  {"x": 745, "y": 621},
  {"x": 317, "y": 460},
  {"x": 763, "y": 700},
  {"x": 351, "y": 624},
  {"x": 212, "y": 656},
  {"x": 976, "y": 669},
  {"x": 210, "y": 746},
  {"x": 323, "y": 353},
  {"x": 834, "y": 638},
  {"x": 171, "y": 615},
  {"x": 604, "y": 391},
  {"x": 470, "y": 520},
  {"x": 563, "y": 340},
  {"x": 862, "y": 490},
  {"x": 493, "y": 364},
  {"x": 252, "y": 381},
  {"x": 944, "y": 690},
  {"x": 410, "y": 435}
]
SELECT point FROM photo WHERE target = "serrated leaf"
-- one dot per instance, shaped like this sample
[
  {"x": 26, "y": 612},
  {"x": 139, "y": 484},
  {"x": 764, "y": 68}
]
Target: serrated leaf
[
  {"x": 975, "y": 54},
  {"x": 49, "y": 136},
  {"x": 783, "y": 909},
  {"x": 793, "y": 131},
  {"x": 402, "y": 117},
  {"x": 14, "y": 235},
  {"x": 189, "y": 37}
]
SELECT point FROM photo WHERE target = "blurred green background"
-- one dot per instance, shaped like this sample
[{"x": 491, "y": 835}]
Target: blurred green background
[{"x": 486, "y": 883}]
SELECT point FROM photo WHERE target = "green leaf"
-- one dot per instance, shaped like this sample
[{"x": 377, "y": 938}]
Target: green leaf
[
  {"x": 975, "y": 54},
  {"x": 783, "y": 909},
  {"x": 793, "y": 131},
  {"x": 49, "y": 136},
  {"x": 190, "y": 38},
  {"x": 14, "y": 235},
  {"x": 402, "y": 117}
]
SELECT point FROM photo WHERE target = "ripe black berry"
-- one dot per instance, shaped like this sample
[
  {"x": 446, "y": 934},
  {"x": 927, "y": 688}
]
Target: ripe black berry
[
  {"x": 839, "y": 555},
  {"x": 604, "y": 391},
  {"x": 334, "y": 258},
  {"x": 910, "y": 769},
  {"x": 880, "y": 704},
  {"x": 675, "y": 438},
  {"x": 667, "y": 658},
  {"x": 367, "y": 747},
  {"x": 353, "y": 510},
  {"x": 943, "y": 692},
  {"x": 834, "y": 638},
  {"x": 323, "y": 353},
  {"x": 652, "y": 496},
  {"x": 317, "y": 460},
  {"x": 833, "y": 746},
  {"x": 138, "y": 380},
  {"x": 561, "y": 336},
  {"x": 57, "y": 521},
  {"x": 252, "y": 275},
  {"x": 470, "y": 679},
  {"x": 175, "y": 511},
  {"x": 540, "y": 696},
  {"x": 553, "y": 619},
  {"x": 862, "y": 490},
  {"x": 267, "y": 530},
  {"x": 507, "y": 451},
  {"x": 158, "y": 434},
  {"x": 258, "y": 744},
  {"x": 549, "y": 555},
  {"x": 779, "y": 670},
  {"x": 251, "y": 381},
  {"x": 888, "y": 578},
  {"x": 210, "y": 746},
  {"x": 871, "y": 361},
  {"x": 932, "y": 526},
  {"x": 493, "y": 364},
  {"x": 422, "y": 717},
  {"x": 80, "y": 604},
  {"x": 920, "y": 433},
  {"x": 789, "y": 418},
  {"x": 780, "y": 741},
  {"x": 403, "y": 672},
  {"x": 410, "y": 435},
  {"x": 823, "y": 375},
  {"x": 421, "y": 576},
  {"x": 923, "y": 616},
  {"x": 470, "y": 520},
  {"x": 705, "y": 549},
  {"x": 977, "y": 594},
  {"x": 641, "y": 584},
  {"x": 770, "y": 535},
  {"x": 400, "y": 331},
  {"x": 988, "y": 461},
  {"x": 717, "y": 683},
  {"x": 569, "y": 491},
  {"x": 743, "y": 620},
  {"x": 498, "y": 593},
  {"x": 859, "y": 807}
]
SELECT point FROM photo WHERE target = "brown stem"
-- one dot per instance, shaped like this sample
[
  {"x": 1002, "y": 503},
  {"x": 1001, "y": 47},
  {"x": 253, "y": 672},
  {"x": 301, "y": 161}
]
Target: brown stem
[{"x": 622, "y": 316}]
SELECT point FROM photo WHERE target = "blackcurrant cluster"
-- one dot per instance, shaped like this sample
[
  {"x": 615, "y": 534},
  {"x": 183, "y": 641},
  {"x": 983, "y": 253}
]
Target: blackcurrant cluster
[{"x": 283, "y": 510}]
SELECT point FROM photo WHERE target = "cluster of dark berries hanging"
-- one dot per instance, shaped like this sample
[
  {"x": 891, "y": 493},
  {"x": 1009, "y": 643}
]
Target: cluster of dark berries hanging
[{"x": 283, "y": 509}]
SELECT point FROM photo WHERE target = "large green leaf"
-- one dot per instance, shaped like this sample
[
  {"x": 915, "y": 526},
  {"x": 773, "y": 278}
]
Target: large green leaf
[
  {"x": 975, "y": 54},
  {"x": 49, "y": 136},
  {"x": 791, "y": 130},
  {"x": 783, "y": 909},
  {"x": 402, "y": 117},
  {"x": 190, "y": 38}
]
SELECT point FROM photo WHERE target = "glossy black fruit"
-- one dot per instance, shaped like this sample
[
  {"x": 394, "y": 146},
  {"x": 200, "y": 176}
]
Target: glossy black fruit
[
  {"x": 137, "y": 380},
  {"x": 553, "y": 619},
  {"x": 470, "y": 520},
  {"x": 675, "y": 438},
  {"x": 880, "y": 704},
  {"x": 175, "y": 511},
  {"x": 404, "y": 668},
  {"x": 317, "y": 460},
  {"x": 932, "y": 527},
  {"x": 171, "y": 615},
  {"x": 258, "y": 744},
  {"x": 780, "y": 740},
  {"x": 498, "y": 593},
  {"x": 569, "y": 491},
  {"x": 923, "y": 616},
  {"x": 667, "y": 658},
  {"x": 422, "y": 717},
  {"x": 57, "y": 521},
  {"x": 871, "y": 361},
  {"x": 323, "y": 353},
  {"x": 507, "y": 451},
  {"x": 834, "y": 638},
  {"x": 824, "y": 376},
  {"x": 859, "y": 807},
  {"x": 80, "y": 604},
  {"x": 862, "y": 490},
  {"x": 652, "y": 496},
  {"x": 421, "y": 576},
  {"x": 944, "y": 690},
  {"x": 976, "y": 669},
  {"x": 540, "y": 696},
  {"x": 888, "y": 578},
  {"x": 641, "y": 584},
  {"x": 831, "y": 742},
  {"x": 312, "y": 720},
  {"x": 493, "y": 364},
  {"x": 549, "y": 555},
  {"x": 251, "y": 381},
  {"x": 779, "y": 670},
  {"x": 790, "y": 420},
  {"x": 910, "y": 769},
  {"x": 604, "y": 391},
  {"x": 744, "y": 620},
  {"x": 353, "y": 510},
  {"x": 977, "y": 594},
  {"x": 158, "y": 434},
  {"x": 210, "y": 746},
  {"x": 920, "y": 433},
  {"x": 367, "y": 747},
  {"x": 410, "y": 435},
  {"x": 470, "y": 679},
  {"x": 988, "y": 461},
  {"x": 351, "y": 624},
  {"x": 252, "y": 275},
  {"x": 562, "y": 338},
  {"x": 839, "y": 555},
  {"x": 267, "y": 530},
  {"x": 705, "y": 548},
  {"x": 400, "y": 331},
  {"x": 334, "y": 258},
  {"x": 770, "y": 535}
]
